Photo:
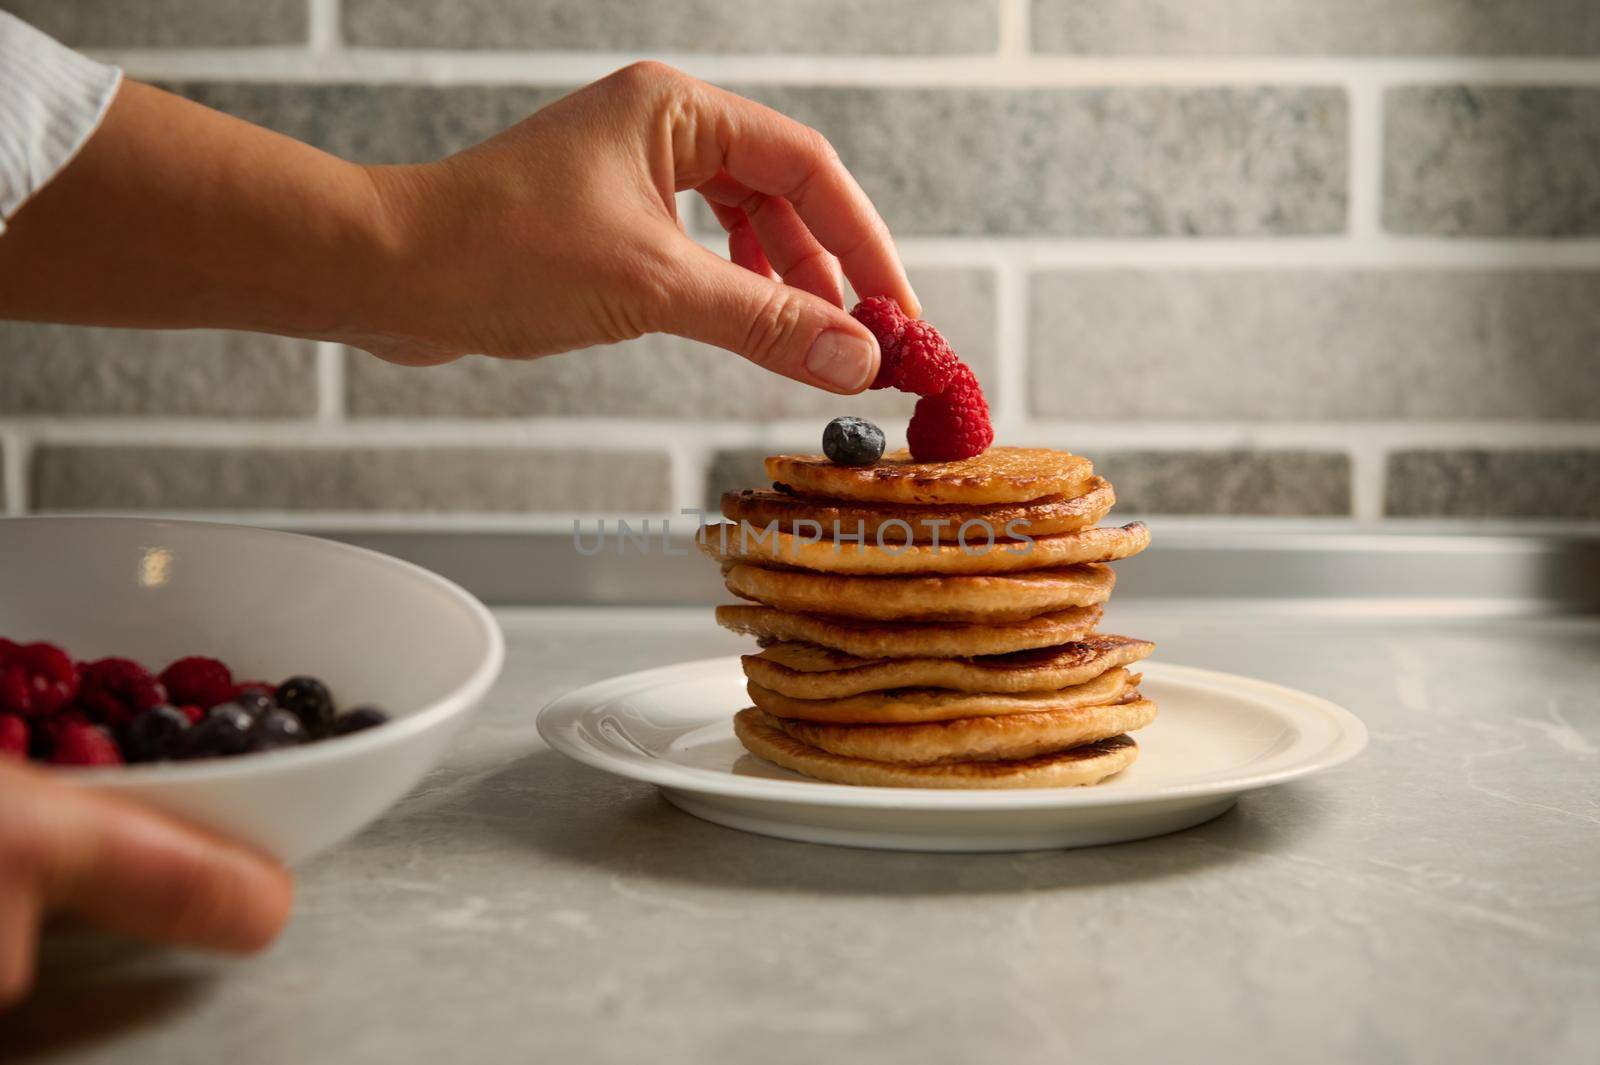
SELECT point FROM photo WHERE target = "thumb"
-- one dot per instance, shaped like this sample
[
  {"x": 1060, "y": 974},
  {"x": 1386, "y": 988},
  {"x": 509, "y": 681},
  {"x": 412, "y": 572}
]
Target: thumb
[
  {"x": 787, "y": 330},
  {"x": 137, "y": 871}
]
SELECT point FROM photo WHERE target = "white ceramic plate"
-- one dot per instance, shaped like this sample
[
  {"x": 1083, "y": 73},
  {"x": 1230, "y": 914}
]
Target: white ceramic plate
[{"x": 1218, "y": 735}]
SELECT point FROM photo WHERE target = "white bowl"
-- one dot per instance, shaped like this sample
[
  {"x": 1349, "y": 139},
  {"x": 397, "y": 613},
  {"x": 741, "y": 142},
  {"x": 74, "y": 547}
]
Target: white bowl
[{"x": 271, "y": 605}]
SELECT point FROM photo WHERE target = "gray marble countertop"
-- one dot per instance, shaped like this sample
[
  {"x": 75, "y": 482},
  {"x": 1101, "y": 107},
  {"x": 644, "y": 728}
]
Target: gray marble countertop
[{"x": 1436, "y": 900}]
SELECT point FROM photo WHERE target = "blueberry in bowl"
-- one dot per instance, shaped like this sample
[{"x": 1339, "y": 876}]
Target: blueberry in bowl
[{"x": 112, "y": 711}]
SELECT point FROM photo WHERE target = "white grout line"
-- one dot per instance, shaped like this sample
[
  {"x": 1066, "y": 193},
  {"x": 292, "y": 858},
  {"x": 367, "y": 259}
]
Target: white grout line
[
  {"x": 579, "y": 433},
  {"x": 14, "y": 466},
  {"x": 699, "y": 437},
  {"x": 688, "y": 460},
  {"x": 1368, "y": 473},
  {"x": 1011, "y": 349},
  {"x": 561, "y": 523},
  {"x": 412, "y": 521},
  {"x": 1015, "y": 32},
  {"x": 1160, "y": 435},
  {"x": 1368, "y": 250},
  {"x": 1365, "y": 180},
  {"x": 330, "y": 383},
  {"x": 326, "y": 37},
  {"x": 1003, "y": 69}
]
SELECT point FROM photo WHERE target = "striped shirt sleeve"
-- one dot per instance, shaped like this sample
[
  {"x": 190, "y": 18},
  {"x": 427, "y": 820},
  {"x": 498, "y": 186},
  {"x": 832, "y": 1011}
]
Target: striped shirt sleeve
[{"x": 51, "y": 100}]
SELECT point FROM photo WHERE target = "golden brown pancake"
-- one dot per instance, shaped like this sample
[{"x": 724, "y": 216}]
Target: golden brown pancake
[
  {"x": 904, "y": 639},
  {"x": 810, "y": 671},
  {"x": 1002, "y": 737},
  {"x": 909, "y": 706},
  {"x": 1012, "y": 597},
  {"x": 741, "y": 543},
  {"x": 999, "y": 475},
  {"x": 1078, "y": 766},
  {"x": 1042, "y": 517}
]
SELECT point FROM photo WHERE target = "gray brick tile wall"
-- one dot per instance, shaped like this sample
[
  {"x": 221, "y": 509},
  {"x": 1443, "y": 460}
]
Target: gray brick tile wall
[
  {"x": 731, "y": 469},
  {"x": 1113, "y": 162},
  {"x": 1315, "y": 344},
  {"x": 662, "y": 376},
  {"x": 166, "y": 23},
  {"x": 1145, "y": 162},
  {"x": 375, "y": 123},
  {"x": 758, "y": 26},
  {"x": 1477, "y": 483},
  {"x": 56, "y": 369},
  {"x": 966, "y": 147},
  {"x": 1252, "y": 483},
  {"x": 418, "y": 480},
  {"x": 1465, "y": 160},
  {"x": 1315, "y": 27}
]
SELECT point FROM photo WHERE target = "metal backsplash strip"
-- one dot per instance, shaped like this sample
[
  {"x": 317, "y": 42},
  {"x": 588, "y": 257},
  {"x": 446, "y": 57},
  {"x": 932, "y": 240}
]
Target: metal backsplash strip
[{"x": 1556, "y": 573}]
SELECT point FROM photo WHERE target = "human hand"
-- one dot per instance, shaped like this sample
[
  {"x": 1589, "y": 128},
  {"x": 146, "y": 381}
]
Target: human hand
[
  {"x": 559, "y": 233},
  {"x": 125, "y": 868},
  {"x": 562, "y": 232}
]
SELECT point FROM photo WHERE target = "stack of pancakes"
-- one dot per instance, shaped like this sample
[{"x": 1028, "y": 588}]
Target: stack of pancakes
[{"x": 933, "y": 624}]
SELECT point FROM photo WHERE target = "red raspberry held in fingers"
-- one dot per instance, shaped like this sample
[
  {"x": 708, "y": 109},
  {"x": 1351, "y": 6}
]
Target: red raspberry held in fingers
[
  {"x": 13, "y": 736},
  {"x": 84, "y": 744},
  {"x": 927, "y": 365},
  {"x": 116, "y": 690},
  {"x": 204, "y": 682},
  {"x": 37, "y": 679},
  {"x": 952, "y": 425},
  {"x": 951, "y": 420},
  {"x": 886, "y": 321}
]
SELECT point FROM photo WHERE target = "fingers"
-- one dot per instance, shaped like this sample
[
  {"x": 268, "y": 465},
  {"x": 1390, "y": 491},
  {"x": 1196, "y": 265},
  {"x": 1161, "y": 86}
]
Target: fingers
[
  {"x": 744, "y": 247},
  {"x": 777, "y": 156},
  {"x": 136, "y": 871},
  {"x": 794, "y": 252},
  {"x": 19, "y": 934},
  {"x": 774, "y": 325},
  {"x": 798, "y": 257}
]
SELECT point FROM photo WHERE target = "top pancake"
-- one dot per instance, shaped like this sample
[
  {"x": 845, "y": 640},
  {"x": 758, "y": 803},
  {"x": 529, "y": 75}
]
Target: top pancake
[
  {"x": 999, "y": 475},
  {"x": 927, "y": 523}
]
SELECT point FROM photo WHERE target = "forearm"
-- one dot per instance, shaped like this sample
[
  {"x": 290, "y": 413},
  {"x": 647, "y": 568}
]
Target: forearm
[
  {"x": 174, "y": 215},
  {"x": 559, "y": 233}
]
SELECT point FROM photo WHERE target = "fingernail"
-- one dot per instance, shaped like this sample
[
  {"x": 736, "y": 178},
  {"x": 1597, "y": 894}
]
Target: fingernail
[{"x": 840, "y": 359}]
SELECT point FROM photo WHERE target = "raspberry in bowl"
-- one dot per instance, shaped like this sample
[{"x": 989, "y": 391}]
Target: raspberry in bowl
[
  {"x": 231, "y": 676},
  {"x": 120, "y": 712}
]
